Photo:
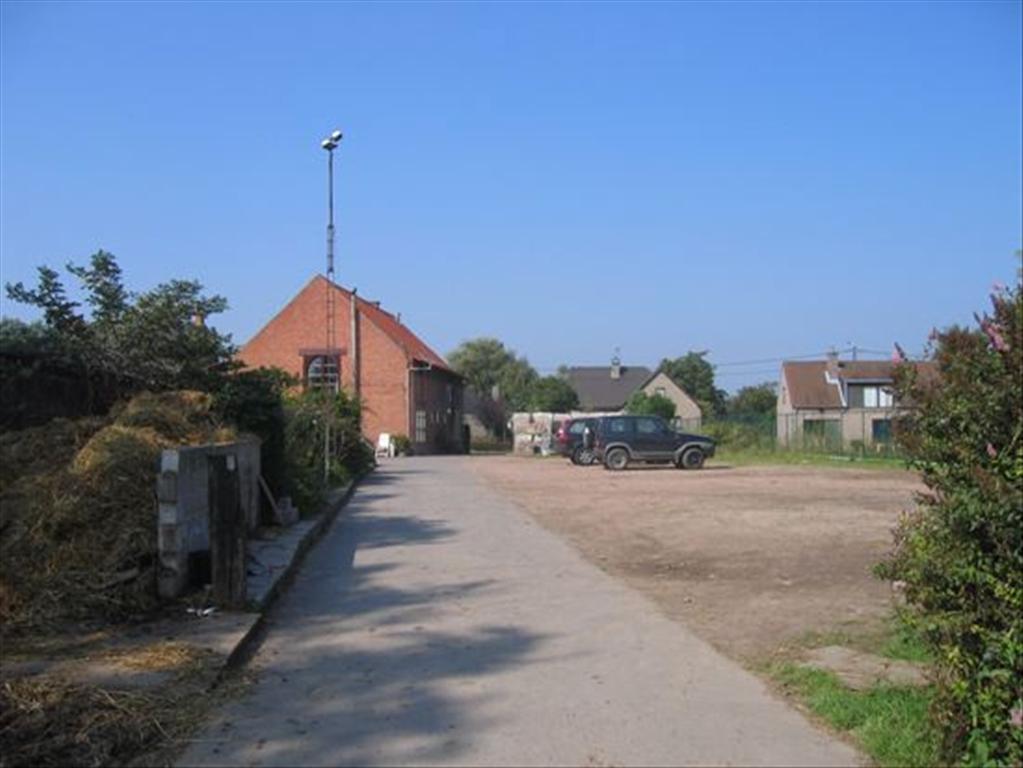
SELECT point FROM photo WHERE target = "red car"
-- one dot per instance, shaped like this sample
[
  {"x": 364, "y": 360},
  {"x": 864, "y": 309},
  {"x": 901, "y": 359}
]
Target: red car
[{"x": 568, "y": 440}]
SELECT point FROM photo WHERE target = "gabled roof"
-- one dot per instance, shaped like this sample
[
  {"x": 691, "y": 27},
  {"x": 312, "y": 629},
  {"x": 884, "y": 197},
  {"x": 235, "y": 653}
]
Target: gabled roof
[
  {"x": 598, "y": 391},
  {"x": 415, "y": 348},
  {"x": 808, "y": 386}
]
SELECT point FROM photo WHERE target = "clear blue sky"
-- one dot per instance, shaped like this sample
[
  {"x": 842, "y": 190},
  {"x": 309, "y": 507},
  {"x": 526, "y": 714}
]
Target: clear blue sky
[{"x": 755, "y": 179}]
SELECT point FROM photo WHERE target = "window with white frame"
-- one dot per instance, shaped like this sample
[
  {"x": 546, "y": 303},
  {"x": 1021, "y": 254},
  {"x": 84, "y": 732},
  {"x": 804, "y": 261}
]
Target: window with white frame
[
  {"x": 870, "y": 396},
  {"x": 420, "y": 426},
  {"x": 323, "y": 372}
]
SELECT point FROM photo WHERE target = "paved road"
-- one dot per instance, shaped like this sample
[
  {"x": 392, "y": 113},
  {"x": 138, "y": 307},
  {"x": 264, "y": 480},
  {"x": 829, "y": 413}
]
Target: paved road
[{"x": 437, "y": 624}]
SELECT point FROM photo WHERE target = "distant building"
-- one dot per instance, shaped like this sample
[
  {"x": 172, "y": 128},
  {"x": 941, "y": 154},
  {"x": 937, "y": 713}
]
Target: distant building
[
  {"x": 406, "y": 388},
  {"x": 605, "y": 388},
  {"x": 833, "y": 403}
]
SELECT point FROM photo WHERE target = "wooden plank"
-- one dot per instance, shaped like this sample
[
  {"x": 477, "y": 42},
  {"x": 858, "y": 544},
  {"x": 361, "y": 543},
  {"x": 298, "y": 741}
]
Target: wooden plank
[
  {"x": 270, "y": 498},
  {"x": 227, "y": 532}
]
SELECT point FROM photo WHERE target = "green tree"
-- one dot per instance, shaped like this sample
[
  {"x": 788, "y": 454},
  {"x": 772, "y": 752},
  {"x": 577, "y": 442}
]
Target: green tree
[
  {"x": 960, "y": 553},
  {"x": 159, "y": 338},
  {"x": 695, "y": 375},
  {"x": 554, "y": 394},
  {"x": 642, "y": 404},
  {"x": 491, "y": 368},
  {"x": 759, "y": 400}
]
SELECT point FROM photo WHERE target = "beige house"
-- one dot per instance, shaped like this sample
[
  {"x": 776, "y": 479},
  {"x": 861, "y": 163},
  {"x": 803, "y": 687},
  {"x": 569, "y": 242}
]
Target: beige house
[
  {"x": 606, "y": 389},
  {"x": 836, "y": 404},
  {"x": 686, "y": 409}
]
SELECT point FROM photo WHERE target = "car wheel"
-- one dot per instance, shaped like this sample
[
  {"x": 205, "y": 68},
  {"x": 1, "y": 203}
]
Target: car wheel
[
  {"x": 582, "y": 456},
  {"x": 616, "y": 459},
  {"x": 691, "y": 459}
]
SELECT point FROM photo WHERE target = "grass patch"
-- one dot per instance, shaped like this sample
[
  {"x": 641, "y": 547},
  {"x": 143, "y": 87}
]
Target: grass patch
[
  {"x": 890, "y": 723},
  {"x": 893, "y": 639},
  {"x": 801, "y": 458}
]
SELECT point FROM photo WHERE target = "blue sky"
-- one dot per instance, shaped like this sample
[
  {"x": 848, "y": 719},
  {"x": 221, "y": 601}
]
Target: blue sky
[{"x": 758, "y": 180}]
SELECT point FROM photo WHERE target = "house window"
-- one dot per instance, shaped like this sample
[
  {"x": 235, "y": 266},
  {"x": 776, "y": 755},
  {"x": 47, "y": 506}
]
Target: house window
[
  {"x": 323, "y": 372},
  {"x": 870, "y": 396},
  {"x": 660, "y": 391},
  {"x": 881, "y": 430},
  {"x": 420, "y": 426}
]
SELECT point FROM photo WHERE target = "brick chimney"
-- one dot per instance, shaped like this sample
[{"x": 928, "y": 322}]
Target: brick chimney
[
  {"x": 832, "y": 366},
  {"x": 616, "y": 368}
]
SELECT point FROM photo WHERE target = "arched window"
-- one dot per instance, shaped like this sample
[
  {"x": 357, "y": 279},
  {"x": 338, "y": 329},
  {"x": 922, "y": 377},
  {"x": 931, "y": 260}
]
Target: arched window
[{"x": 323, "y": 372}]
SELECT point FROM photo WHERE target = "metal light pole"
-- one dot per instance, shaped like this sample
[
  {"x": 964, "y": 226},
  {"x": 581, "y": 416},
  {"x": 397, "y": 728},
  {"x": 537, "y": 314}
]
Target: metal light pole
[{"x": 330, "y": 144}]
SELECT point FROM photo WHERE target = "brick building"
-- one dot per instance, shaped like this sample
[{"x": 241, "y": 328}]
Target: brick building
[{"x": 406, "y": 387}]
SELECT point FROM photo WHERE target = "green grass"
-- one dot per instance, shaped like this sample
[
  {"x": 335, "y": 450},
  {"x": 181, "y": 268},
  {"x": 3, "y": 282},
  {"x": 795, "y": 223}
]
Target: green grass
[
  {"x": 893, "y": 639},
  {"x": 890, "y": 723},
  {"x": 728, "y": 456}
]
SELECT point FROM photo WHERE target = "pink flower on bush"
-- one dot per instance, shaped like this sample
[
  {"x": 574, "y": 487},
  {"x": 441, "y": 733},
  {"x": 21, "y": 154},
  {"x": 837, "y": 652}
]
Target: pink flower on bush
[
  {"x": 991, "y": 452},
  {"x": 1016, "y": 717},
  {"x": 898, "y": 356},
  {"x": 994, "y": 334}
]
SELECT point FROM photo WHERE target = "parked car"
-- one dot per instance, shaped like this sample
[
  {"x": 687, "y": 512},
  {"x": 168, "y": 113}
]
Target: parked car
[
  {"x": 621, "y": 440},
  {"x": 568, "y": 440}
]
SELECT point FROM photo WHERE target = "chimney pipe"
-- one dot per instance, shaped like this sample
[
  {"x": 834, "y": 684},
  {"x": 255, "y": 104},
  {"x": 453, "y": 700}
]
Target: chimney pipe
[{"x": 616, "y": 368}]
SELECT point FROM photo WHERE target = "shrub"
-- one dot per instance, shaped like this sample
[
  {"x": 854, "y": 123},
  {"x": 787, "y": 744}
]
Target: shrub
[
  {"x": 402, "y": 445},
  {"x": 642, "y": 404},
  {"x": 305, "y": 414},
  {"x": 253, "y": 401},
  {"x": 960, "y": 552}
]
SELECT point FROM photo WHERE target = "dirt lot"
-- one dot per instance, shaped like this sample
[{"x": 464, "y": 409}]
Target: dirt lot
[{"x": 749, "y": 558}]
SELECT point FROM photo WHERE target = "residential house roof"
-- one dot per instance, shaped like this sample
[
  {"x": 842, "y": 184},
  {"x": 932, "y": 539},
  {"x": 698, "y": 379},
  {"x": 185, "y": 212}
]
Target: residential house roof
[
  {"x": 809, "y": 387},
  {"x": 598, "y": 391},
  {"x": 415, "y": 348}
]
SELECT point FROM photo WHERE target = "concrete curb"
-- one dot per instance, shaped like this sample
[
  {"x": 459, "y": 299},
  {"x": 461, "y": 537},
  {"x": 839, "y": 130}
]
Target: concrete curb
[{"x": 332, "y": 508}]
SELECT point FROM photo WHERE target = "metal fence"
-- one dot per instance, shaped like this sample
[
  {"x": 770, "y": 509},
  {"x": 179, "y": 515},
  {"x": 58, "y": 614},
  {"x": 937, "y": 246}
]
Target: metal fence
[{"x": 852, "y": 433}]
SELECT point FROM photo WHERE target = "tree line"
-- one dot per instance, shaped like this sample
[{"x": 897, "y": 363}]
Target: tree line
[{"x": 504, "y": 382}]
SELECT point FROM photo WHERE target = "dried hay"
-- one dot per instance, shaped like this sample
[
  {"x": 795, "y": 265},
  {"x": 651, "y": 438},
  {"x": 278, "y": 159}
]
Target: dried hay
[
  {"x": 184, "y": 417},
  {"x": 156, "y": 657},
  {"x": 48, "y": 721},
  {"x": 78, "y": 529}
]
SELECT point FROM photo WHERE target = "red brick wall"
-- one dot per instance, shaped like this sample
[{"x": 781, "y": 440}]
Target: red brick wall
[{"x": 383, "y": 371}]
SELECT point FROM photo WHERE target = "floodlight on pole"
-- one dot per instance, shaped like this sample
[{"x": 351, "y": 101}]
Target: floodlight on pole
[{"x": 333, "y": 354}]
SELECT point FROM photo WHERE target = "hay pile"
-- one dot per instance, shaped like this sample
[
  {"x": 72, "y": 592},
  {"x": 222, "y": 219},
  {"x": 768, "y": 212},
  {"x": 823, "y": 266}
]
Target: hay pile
[
  {"x": 46, "y": 721},
  {"x": 78, "y": 510}
]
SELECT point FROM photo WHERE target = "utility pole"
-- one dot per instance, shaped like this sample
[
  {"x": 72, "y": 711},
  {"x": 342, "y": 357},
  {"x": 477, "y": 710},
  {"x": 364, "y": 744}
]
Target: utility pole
[{"x": 332, "y": 356}]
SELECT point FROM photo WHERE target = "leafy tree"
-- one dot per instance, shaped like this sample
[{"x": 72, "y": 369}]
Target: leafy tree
[
  {"x": 481, "y": 361},
  {"x": 495, "y": 373},
  {"x": 158, "y": 338},
  {"x": 960, "y": 553},
  {"x": 642, "y": 404},
  {"x": 58, "y": 310},
  {"x": 18, "y": 337},
  {"x": 695, "y": 375},
  {"x": 760, "y": 400},
  {"x": 554, "y": 394}
]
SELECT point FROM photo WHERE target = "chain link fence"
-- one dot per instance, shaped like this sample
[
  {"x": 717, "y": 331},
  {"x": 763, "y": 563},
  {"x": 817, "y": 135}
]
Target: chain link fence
[{"x": 860, "y": 433}]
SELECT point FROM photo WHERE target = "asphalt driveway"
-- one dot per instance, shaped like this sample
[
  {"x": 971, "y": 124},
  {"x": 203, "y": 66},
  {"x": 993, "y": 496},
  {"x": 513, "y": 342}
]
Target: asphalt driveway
[{"x": 437, "y": 624}]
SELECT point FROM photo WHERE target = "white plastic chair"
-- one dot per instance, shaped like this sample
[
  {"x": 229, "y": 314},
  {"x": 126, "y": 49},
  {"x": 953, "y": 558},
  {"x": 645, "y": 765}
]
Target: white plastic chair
[{"x": 385, "y": 446}]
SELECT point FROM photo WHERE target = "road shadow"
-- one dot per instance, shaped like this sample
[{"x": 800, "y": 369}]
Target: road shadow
[{"x": 362, "y": 663}]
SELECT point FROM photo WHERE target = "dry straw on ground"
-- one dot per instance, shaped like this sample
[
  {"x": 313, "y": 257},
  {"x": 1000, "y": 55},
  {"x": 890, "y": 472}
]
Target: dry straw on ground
[
  {"x": 78, "y": 522},
  {"x": 46, "y": 721}
]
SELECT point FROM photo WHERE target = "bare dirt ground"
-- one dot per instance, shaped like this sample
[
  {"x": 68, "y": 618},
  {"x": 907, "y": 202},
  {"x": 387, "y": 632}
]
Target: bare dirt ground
[{"x": 749, "y": 558}]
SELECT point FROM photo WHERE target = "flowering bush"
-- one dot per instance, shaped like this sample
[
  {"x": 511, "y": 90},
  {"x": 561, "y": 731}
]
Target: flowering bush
[{"x": 960, "y": 552}]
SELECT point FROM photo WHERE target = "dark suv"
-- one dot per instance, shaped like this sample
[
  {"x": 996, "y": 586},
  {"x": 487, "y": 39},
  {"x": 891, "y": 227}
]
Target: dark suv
[
  {"x": 620, "y": 440},
  {"x": 568, "y": 440}
]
